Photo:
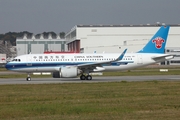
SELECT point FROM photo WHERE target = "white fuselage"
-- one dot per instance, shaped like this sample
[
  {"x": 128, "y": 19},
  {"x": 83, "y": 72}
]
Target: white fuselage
[{"x": 52, "y": 62}]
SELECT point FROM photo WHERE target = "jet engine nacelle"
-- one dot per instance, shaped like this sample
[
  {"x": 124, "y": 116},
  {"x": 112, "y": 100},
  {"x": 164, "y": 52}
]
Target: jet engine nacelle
[{"x": 67, "y": 72}]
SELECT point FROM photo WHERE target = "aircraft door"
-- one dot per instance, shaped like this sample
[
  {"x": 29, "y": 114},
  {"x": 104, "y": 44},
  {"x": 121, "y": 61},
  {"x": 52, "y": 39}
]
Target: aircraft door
[
  {"x": 139, "y": 59},
  {"x": 72, "y": 61},
  {"x": 29, "y": 63}
]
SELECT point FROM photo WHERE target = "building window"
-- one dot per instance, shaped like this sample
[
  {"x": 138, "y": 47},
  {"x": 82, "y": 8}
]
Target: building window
[
  {"x": 177, "y": 56},
  {"x": 94, "y": 30},
  {"x": 175, "y": 61},
  {"x": 125, "y": 42}
]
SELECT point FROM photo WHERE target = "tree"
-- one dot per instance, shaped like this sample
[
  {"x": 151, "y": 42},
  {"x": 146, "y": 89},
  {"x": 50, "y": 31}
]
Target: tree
[{"x": 62, "y": 35}]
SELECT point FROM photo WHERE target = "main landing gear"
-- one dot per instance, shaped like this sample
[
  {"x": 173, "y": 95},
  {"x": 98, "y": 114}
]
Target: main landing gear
[
  {"x": 88, "y": 77},
  {"x": 28, "y": 77}
]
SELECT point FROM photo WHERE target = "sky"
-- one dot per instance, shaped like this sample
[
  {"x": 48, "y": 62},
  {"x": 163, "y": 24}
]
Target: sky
[{"x": 39, "y": 16}]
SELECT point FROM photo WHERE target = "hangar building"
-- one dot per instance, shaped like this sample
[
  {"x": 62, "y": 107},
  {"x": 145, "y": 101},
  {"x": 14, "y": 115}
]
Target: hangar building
[
  {"x": 35, "y": 45},
  {"x": 116, "y": 38}
]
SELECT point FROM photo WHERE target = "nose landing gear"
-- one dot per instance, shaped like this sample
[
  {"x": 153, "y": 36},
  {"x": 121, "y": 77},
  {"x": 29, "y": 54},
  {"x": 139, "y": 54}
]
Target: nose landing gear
[{"x": 28, "y": 77}]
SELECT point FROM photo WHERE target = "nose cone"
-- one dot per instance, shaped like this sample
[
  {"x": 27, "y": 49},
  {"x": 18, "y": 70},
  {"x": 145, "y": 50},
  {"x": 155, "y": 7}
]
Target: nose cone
[{"x": 7, "y": 66}]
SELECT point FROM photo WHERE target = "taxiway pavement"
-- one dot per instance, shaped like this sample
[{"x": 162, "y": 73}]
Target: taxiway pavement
[{"x": 95, "y": 79}]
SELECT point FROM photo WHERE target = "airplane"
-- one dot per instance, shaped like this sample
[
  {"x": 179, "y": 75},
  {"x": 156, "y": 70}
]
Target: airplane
[{"x": 73, "y": 64}]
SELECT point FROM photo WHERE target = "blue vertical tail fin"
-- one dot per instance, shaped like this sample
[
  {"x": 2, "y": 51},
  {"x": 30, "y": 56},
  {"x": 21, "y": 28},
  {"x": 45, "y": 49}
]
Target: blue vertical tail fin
[{"x": 158, "y": 42}]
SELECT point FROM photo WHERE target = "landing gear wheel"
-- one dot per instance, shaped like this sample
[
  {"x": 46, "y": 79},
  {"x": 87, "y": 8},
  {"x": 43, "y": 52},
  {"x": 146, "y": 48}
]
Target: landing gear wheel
[
  {"x": 88, "y": 77},
  {"x": 82, "y": 77},
  {"x": 28, "y": 78}
]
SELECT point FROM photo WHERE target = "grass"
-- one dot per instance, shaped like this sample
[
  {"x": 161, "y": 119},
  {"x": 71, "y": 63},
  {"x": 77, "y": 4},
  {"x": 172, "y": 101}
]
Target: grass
[
  {"x": 3, "y": 69},
  {"x": 86, "y": 101}
]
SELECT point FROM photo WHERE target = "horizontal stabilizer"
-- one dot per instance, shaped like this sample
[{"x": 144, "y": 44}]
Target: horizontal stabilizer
[{"x": 165, "y": 57}]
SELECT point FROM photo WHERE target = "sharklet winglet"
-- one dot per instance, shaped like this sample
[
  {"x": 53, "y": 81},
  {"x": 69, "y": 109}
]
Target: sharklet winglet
[{"x": 121, "y": 56}]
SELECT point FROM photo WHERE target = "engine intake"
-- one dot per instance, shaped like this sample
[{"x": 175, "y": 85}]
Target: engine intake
[{"x": 67, "y": 72}]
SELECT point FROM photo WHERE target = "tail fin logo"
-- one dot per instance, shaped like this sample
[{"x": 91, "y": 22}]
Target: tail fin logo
[{"x": 158, "y": 42}]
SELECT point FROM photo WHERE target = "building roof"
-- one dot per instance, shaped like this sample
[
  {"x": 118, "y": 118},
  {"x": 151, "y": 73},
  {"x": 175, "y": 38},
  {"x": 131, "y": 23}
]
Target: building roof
[{"x": 122, "y": 25}]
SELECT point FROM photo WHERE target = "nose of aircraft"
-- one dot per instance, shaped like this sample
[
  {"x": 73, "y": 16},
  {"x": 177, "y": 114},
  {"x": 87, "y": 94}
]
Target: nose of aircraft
[{"x": 7, "y": 66}]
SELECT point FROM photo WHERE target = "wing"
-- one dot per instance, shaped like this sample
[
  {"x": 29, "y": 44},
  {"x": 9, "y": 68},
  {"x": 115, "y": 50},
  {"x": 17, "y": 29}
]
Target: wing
[{"x": 92, "y": 66}]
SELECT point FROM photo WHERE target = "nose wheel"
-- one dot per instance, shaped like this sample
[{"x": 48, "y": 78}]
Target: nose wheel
[{"x": 28, "y": 77}]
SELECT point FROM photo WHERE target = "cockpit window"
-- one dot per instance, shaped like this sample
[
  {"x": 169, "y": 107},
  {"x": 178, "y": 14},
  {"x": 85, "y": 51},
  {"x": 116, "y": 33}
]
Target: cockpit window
[{"x": 18, "y": 60}]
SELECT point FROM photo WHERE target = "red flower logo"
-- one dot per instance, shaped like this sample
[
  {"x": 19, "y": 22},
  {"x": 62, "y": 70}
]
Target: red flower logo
[{"x": 158, "y": 42}]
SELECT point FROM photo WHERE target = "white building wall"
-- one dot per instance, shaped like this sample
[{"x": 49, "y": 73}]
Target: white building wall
[
  {"x": 37, "y": 48},
  {"x": 174, "y": 37},
  {"x": 54, "y": 47},
  {"x": 112, "y": 39},
  {"x": 21, "y": 49},
  {"x": 116, "y": 39}
]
